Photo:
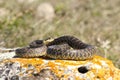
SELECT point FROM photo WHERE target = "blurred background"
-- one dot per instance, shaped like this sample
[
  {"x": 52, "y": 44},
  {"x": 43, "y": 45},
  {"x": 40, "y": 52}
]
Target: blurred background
[{"x": 96, "y": 22}]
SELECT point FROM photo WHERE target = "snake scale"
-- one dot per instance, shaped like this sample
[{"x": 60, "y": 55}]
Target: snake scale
[{"x": 64, "y": 47}]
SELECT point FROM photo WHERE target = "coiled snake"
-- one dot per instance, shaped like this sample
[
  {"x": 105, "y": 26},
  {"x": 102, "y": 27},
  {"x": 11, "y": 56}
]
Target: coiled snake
[{"x": 64, "y": 47}]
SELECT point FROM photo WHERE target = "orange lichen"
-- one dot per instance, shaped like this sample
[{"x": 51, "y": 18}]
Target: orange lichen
[
  {"x": 101, "y": 72},
  {"x": 70, "y": 62},
  {"x": 53, "y": 67}
]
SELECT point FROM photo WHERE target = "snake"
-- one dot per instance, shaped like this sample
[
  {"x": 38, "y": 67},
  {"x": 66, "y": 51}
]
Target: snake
[{"x": 63, "y": 47}]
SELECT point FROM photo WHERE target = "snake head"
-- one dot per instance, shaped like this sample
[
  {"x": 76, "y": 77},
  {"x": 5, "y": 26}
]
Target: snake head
[
  {"x": 48, "y": 40},
  {"x": 36, "y": 43},
  {"x": 21, "y": 50}
]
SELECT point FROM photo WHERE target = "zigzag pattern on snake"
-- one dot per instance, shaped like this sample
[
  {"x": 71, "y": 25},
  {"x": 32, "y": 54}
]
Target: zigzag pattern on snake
[{"x": 64, "y": 47}]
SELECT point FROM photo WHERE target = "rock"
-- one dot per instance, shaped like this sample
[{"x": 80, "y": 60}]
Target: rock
[
  {"x": 6, "y": 53},
  {"x": 45, "y": 11},
  {"x": 97, "y": 68}
]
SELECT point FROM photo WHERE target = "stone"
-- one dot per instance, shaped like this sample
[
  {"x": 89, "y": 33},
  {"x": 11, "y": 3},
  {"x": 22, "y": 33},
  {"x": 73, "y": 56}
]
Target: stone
[
  {"x": 97, "y": 68},
  {"x": 6, "y": 53}
]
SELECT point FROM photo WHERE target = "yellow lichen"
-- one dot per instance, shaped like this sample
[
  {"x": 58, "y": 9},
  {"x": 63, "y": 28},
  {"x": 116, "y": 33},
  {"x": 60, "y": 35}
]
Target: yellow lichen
[
  {"x": 101, "y": 73},
  {"x": 53, "y": 67}
]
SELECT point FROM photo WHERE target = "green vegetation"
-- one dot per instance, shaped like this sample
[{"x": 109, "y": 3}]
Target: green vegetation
[{"x": 93, "y": 21}]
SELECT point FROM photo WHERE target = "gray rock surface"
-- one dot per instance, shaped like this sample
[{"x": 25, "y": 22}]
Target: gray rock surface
[{"x": 6, "y": 53}]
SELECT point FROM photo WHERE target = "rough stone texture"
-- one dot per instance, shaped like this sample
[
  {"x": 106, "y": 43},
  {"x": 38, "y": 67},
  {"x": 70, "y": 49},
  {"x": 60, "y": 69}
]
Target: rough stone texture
[
  {"x": 97, "y": 68},
  {"x": 6, "y": 53}
]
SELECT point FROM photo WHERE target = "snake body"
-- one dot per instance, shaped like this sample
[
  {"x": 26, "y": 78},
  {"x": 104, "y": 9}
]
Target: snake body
[{"x": 64, "y": 47}]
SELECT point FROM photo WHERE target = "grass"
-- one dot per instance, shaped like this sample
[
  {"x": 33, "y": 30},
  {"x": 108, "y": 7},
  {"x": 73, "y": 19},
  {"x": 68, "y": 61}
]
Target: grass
[{"x": 93, "y": 21}]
